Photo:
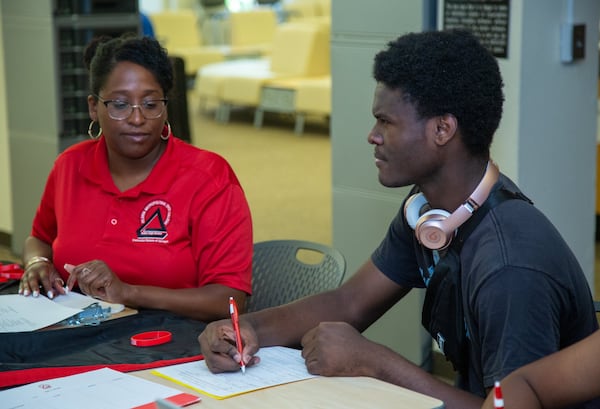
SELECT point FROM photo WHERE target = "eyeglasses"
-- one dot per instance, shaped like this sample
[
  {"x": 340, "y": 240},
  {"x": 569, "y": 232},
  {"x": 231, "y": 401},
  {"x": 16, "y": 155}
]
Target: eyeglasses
[{"x": 119, "y": 110}]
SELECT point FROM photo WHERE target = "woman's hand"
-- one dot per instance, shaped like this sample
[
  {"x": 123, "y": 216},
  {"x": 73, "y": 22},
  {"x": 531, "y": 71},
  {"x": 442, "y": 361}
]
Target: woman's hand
[
  {"x": 41, "y": 276},
  {"x": 97, "y": 280}
]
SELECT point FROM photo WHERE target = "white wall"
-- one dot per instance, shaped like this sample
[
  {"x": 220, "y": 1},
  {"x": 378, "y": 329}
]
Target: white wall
[
  {"x": 5, "y": 187},
  {"x": 362, "y": 208},
  {"x": 547, "y": 138}
]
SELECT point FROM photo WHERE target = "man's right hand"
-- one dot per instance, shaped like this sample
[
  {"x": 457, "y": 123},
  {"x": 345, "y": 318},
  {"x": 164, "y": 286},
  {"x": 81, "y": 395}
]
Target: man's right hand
[{"x": 217, "y": 345}]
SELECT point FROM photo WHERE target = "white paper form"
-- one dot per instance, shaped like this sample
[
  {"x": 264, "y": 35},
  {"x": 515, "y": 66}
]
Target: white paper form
[
  {"x": 22, "y": 314},
  {"x": 278, "y": 365},
  {"x": 78, "y": 300},
  {"x": 99, "y": 389}
]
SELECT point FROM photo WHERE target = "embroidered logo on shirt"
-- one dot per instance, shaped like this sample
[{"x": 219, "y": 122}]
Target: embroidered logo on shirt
[{"x": 154, "y": 220}]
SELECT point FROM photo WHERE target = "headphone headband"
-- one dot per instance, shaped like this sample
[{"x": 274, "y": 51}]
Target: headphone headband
[{"x": 475, "y": 200}]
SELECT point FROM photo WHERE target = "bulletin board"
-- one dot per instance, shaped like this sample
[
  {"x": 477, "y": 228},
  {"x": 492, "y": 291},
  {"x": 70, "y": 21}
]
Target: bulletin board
[{"x": 487, "y": 19}]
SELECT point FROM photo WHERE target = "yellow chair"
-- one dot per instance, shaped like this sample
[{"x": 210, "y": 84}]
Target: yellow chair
[
  {"x": 297, "y": 96},
  {"x": 252, "y": 29},
  {"x": 179, "y": 33},
  {"x": 324, "y": 7},
  {"x": 313, "y": 96},
  {"x": 210, "y": 79},
  {"x": 250, "y": 34},
  {"x": 299, "y": 50}
]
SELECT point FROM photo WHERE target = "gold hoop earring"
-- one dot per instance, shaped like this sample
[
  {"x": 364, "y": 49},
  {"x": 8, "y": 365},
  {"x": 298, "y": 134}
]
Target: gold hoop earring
[
  {"x": 162, "y": 135},
  {"x": 91, "y": 132}
]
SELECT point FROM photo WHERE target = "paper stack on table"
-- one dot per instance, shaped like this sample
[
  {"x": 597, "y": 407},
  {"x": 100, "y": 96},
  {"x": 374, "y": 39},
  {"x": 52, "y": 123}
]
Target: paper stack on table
[
  {"x": 78, "y": 300},
  {"x": 99, "y": 389},
  {"x": 22, "y": 314},
  {"x": 278, "y": 365}
]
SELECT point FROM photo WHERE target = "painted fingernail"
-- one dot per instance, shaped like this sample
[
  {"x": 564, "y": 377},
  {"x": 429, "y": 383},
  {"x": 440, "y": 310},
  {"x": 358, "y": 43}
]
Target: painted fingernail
[
  {"x": 66, "y": 289},
  {"x": 35, "y": 293},
  {"x": 50, "y": 294},
  {"x": 26, "y": 293}
]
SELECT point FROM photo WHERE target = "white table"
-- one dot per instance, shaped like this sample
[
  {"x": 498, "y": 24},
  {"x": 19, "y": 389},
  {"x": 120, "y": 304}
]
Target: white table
[{"x": 321, "y": 392}]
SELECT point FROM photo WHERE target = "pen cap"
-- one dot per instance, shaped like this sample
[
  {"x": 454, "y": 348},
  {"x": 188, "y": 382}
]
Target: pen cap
[{"x": 498, "y": 400}]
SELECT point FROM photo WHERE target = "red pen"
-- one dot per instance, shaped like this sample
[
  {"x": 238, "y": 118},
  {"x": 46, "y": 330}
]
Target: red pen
[
  {"x": 498, "y": 400},
  {"x": 235, "y": 320}
]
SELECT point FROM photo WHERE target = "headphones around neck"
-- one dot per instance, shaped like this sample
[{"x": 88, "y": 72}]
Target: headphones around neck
[{"x": 435, "y": 228}]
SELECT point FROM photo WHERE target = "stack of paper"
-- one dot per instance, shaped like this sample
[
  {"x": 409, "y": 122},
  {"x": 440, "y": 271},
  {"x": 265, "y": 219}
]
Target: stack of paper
[
  {"x": 278, "y": 365},
  {"x": 77, "y": 300},
  {"x": 21, "y": 314},
  {"x": 100, "y": 389}
]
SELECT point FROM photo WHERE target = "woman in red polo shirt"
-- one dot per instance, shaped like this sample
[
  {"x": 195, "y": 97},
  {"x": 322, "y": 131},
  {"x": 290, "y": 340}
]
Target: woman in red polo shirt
[{"x": 136, "y": 216}]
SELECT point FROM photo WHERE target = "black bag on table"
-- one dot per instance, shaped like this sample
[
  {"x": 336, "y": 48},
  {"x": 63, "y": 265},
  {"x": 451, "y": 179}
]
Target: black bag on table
[{"x": 27, "y": 357}]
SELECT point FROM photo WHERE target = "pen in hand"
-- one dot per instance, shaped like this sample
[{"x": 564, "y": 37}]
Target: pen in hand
[{"x": 235, "y": 320}]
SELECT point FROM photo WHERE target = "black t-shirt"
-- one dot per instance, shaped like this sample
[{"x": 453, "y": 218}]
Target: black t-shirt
[{"x": 524, "y": 293}]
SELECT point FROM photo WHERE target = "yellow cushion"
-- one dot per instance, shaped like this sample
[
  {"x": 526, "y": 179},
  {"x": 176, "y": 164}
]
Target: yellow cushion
[
  {"x": 179, "y": 33},
  {"x": 252, "y": 27},
  {"x": 196, "y": 57},
  {"x": 210, "y": 78},
  {"x": 324, "y": 7},
  {"x": 301, "y": 49},
  {"x": 243, "y": 90},
  {"x": 314, "y": 95},
  {"x": 176, "y": 28}
]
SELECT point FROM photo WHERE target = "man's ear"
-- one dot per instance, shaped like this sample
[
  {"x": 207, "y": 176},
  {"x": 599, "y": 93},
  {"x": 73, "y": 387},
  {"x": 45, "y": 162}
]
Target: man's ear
[
  {"x": 444, "y": 127},
  {"x": 92, "y": 107}
]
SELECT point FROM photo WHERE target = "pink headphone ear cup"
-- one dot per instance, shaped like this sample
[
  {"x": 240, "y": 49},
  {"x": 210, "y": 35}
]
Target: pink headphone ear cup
[
  {"x": 430, "y": 229},
  {"x": 412, "y": 209}
]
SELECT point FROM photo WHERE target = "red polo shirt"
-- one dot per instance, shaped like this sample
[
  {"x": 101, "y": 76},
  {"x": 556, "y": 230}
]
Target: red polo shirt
[{"x": 187, "y": 225}]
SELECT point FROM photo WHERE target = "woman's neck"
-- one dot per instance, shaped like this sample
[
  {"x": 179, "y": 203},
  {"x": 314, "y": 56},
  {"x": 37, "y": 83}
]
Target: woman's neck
[{"x": 128, "y": 173}]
